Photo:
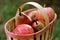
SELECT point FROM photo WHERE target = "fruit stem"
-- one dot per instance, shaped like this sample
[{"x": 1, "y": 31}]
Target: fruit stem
[{"x": 20, "y": 12}]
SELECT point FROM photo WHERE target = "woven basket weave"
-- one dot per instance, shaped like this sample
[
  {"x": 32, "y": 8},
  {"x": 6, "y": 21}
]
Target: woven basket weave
[{"x": 43, "y": 34}]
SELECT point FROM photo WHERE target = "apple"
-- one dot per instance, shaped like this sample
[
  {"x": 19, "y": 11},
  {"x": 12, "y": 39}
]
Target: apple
[
  {"x": 50, "y": 13},
  {"x": 37, "y": 25},
  {"x": 22, "y": 19},
  {"x": 38, "y": 15},
  {"x": 38, "y": 19},
  {"x": 23, "y": 29}
]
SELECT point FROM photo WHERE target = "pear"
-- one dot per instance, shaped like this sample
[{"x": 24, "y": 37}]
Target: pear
[{"x": 22, "y": 19}]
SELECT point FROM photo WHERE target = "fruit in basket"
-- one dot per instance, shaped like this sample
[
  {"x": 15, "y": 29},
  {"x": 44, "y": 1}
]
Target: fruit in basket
[
  {"x": 37, "y": 14},
  {"x": 22, "y": 19},
  {"x": 23, "y": 29},
  {"x": 37, "y": 25},
  {"x": 50, "y": 13},
  {"x": 39, "y": 19}
]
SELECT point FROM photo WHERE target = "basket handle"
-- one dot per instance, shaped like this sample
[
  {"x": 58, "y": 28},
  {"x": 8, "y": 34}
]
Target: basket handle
[{"x": 38, "y": 6}]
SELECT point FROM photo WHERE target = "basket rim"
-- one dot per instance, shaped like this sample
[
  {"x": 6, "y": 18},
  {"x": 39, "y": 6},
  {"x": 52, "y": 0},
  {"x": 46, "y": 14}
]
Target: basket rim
[{"x": 11, "y": 34}]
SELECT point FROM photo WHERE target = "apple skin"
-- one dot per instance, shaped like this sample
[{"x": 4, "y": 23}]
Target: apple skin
[
  {"x": 36, "y": 13},
  {"x": 37, "y": 25},
  {"x": 50, "y": 13},
  {"x": 23, "y": 29}
]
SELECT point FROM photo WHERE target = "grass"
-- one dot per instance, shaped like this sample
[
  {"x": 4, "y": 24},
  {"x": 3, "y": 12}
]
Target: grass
[{"x": 57, "y": 30}]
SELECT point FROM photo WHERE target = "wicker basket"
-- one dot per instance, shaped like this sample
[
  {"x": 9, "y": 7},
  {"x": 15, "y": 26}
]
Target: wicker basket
[{"x": 43, "y": 34}]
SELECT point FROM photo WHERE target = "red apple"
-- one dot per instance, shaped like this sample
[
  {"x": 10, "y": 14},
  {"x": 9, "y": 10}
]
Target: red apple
[
  {"x": 23, "y": 29},
  {"x": 38, "y": 15},
  {"x": 50, "y": 13},
  {"x": 37, "y": 25}
]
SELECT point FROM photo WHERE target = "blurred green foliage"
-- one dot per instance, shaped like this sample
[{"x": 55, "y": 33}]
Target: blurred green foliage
[{"x": 8, "y": 9}]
